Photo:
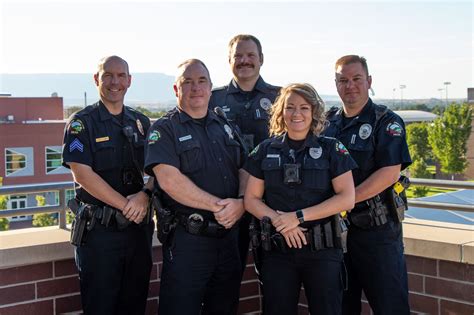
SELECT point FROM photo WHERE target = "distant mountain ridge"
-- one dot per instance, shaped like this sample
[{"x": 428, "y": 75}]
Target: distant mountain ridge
[{"x": 153, "y": 88}]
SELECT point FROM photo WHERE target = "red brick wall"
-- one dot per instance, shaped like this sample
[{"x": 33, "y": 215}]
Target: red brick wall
[
  {"x": 53, "y": 288},
  {"x": 436, "y": 287}
]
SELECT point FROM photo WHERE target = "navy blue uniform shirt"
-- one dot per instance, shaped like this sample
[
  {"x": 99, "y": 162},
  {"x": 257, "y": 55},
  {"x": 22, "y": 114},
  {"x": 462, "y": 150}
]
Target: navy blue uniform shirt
[
  {"x": 249, "y": 110},
  {"x": 371, "y": 146},
  {"x": 203, "y": 150},
  {"x": 321, "y": 159},
  {"x": 95, "y": 137}
]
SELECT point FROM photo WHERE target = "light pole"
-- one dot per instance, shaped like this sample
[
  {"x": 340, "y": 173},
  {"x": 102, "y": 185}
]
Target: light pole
[
  {"x": 402, "y": 86},
  {"x": 393, "y": 96},
  {"x": 441, "y": 94},
  {"x": 447, "y": 83}
]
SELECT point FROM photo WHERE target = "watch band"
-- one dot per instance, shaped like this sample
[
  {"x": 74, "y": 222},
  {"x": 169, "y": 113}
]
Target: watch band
[
  {"x": 300, "y": 215},
  {"x": 147, "y": 191}
]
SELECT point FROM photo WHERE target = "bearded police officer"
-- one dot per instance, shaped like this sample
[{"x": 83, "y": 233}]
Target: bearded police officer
[
  {"x": 104, "y": 148},
  {"x": 196, "y": 157},
  {"x": 246, "y": 101},
  {"x": 375, "y": 138}
]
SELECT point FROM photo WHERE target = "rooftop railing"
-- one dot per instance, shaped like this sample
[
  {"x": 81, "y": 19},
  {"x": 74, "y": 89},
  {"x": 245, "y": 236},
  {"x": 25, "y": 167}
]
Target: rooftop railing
[{"x": 61, "y": 207}]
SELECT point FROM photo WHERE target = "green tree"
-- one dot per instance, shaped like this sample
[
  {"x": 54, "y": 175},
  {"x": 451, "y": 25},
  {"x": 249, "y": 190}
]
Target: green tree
[
  {"x": 448, "y": 137},
  {"x": 149, "y": 113},
  {"x": 417, "y": 135},
  {"x": 43, "y": 219},
  {"x": 420, "y": 151},
  {"x": 4, "y": 224}
]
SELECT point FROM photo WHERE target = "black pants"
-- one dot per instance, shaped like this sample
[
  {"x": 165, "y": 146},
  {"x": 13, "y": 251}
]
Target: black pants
[
  {"x": 114, "y": 269},
  {"x": 244, "y": 239},
  {"x": 320, "y": 273},
  {"x": 200, "y": 275},
  {"x": 376, "y": 264}
]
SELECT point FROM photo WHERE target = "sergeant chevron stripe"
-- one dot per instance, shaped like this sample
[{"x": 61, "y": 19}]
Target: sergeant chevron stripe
[{"x": 76, "y": 145}]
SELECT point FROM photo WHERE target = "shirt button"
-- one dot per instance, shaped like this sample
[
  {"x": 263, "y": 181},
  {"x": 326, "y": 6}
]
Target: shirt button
[
  {"x": 220, "y": 160},
  {"x": 225, "y": 177},
  {"x": 214, "y": 141}
]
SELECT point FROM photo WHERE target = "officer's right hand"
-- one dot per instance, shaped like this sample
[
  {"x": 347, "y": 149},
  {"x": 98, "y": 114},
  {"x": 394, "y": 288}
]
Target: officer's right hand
[
  {"x": 231, "y": 212},
  {"x": 295, "y": 237}
]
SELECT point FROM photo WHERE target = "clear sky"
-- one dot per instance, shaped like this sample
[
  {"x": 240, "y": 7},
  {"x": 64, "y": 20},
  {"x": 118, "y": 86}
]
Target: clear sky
[{"x": 418, "y": 44}]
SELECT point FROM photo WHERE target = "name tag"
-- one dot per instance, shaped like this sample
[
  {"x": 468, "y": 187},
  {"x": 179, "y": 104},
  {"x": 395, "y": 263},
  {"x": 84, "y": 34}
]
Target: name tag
[
  {"x": 188, "y": 137},
  {"x": 102, "y": 139},
  {"x": 273, "y": 156}
]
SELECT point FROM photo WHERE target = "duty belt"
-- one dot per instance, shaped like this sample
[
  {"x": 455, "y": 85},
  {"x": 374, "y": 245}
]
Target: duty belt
[
  {"x": 318, "y": 237},
  {"x": 196, "y": 224},
  {"x": 374, "y": 213}
]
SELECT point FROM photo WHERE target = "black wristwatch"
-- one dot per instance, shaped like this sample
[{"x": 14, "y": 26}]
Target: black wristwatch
[
  {"x": 147, "y": 191},
  {"x": 300, "y": 215}
]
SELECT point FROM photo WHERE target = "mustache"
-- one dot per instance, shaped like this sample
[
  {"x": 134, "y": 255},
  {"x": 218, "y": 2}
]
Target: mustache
[{"x": 246, "y": 65}]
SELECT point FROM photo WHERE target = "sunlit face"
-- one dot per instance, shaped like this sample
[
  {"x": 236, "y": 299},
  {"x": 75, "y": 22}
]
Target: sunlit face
[
  {"x": 113, "y": 81},
  {"x": 353, "y": 84},
  {"x": 245, "y": 60},
  {"x": 193, "y": 87},
  {"x": 298, "y": 116}
]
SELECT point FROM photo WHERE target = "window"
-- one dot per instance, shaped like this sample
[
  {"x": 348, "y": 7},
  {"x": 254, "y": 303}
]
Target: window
[
  {"x": 53, "y": 159},
  {"x": 14, "y": 161},
  {"x": 17, "y": 202},
  {"x": 70, "y": 194}
]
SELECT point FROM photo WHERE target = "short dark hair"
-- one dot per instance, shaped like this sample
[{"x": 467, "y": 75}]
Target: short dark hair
[
  {"x": 349, "y": 59},
  {"x": 242, "y": 37}
]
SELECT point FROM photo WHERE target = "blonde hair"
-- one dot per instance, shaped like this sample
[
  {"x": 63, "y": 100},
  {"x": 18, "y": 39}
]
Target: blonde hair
[{"x": 277, "y": 126}]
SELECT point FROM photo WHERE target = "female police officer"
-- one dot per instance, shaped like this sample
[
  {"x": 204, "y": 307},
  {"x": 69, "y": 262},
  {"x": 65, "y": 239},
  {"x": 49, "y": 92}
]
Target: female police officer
[{"x": 305, "y": 180}]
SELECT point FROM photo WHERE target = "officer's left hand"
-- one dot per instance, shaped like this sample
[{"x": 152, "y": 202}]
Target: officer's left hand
[
  {"x": 136, "y": 208},
  {"x": 231, "y": 212},
  {"x": 285, "y": 221}
]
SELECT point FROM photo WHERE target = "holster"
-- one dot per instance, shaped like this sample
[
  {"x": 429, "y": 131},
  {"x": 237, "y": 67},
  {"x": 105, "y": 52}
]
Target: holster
[
  {"x": 80, "y": 225},
  {"x": 375, "y": 213},
  {"x": 396, "y": 199},
  {"x": 165, "y": 220}
]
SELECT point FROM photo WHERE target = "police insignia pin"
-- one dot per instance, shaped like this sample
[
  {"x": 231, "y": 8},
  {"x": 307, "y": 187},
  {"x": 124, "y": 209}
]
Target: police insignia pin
[
  {"x": 76, "y": 126},
  {"x": 154, "y": 136},
  {"x": 265, "y": 103},
  {"x": 364, "y": 131},
  {"x": 315, "y": 153},
  {"x": 140, "y": 127},
  {"x": 394, "y": 129}
]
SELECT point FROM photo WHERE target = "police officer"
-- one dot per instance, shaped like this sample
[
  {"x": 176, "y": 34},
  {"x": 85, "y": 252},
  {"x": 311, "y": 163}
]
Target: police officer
[
  {"x": 305, "y": 180},
  {"x": 196, "y": 158},
  {"x": 104, "y": 148},
  {"x": 375, "y": 137},
  {"x": 246, "y": 101}
]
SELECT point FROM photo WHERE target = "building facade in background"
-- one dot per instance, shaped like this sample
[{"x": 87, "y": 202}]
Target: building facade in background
[{"x": 31, "y": 131}]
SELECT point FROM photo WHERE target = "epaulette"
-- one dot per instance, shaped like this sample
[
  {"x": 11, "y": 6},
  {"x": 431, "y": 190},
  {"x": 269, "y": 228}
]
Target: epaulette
[
  {"x": 220, "y": 88},
  {"x": 333, "y": 110},
  {"x": 380, "y": 111}
]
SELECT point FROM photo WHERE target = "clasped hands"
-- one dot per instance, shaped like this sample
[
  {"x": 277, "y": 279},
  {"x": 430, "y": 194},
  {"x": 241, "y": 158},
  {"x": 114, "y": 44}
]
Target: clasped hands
[
  {"x": 287, "y": 224},
  {"x": 228, "y": 211},
  {"x": 137, "y": 207}
]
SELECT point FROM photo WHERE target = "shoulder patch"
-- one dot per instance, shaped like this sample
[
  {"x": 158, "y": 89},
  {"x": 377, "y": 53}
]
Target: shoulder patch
[
  {"x": 341, "y": 149},
  {"x": 154, "y": 136},
  {"x": 394, "y": 129},
  {"x": 255, "y": 150},
  {"x": 76, "y": 126}
]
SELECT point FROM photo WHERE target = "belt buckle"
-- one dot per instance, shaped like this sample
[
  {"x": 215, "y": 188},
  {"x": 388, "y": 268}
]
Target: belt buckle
[{"x": 195, "y": 223}]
